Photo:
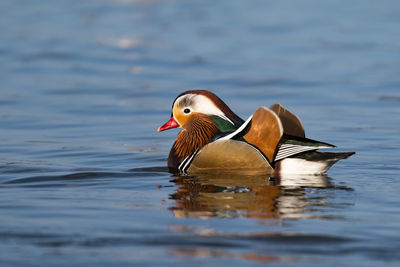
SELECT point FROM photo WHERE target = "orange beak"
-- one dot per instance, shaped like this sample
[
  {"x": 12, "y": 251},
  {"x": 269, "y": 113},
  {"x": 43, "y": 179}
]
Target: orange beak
[{"x": 168, "y": 125}]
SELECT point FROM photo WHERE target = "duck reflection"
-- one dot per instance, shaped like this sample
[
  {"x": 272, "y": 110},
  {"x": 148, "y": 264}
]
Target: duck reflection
[
  {"x": 214, "y": 253},
  {"x": 261, "y": 197}
]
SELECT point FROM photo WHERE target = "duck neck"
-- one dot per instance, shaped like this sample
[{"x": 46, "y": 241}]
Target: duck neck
[{"x": 198, "y": 132}]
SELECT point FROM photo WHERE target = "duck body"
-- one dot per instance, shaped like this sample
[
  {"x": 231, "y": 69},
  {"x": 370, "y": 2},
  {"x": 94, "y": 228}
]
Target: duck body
[{"x": 215, "y": 139}]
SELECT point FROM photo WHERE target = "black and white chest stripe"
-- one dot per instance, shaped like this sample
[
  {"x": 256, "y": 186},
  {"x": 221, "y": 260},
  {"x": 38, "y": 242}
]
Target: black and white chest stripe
[{"x": 186, "y": 162}]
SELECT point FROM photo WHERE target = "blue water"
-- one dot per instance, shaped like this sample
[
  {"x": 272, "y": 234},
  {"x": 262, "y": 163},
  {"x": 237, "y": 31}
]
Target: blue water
[{"x": 85, "y": 84}]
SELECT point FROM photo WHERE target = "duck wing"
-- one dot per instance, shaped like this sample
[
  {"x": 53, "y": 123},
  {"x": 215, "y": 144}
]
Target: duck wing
[
  {"x": 263, "y": 130},
  {"x": 290, "y": 122},
  {"x": 293, "y": 145}
]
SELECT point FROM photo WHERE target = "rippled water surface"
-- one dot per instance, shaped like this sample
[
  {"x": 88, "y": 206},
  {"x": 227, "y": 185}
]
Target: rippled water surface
[{"x": 85, "y": 84}]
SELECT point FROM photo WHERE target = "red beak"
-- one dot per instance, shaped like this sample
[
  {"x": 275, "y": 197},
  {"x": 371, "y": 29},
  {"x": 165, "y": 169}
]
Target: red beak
[{"x": 168, "y": 125}]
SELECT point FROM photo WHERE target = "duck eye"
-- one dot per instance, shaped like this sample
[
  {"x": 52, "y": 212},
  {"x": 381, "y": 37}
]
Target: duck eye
[{"x": 186, "y": 110}]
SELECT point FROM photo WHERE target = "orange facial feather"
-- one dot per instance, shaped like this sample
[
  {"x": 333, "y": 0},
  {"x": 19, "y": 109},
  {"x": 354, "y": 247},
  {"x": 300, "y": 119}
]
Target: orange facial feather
[{"x": 199, "y": 130}]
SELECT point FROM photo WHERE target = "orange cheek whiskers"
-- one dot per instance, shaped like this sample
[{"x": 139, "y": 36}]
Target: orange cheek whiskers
[{"x": 199, "y": 131}]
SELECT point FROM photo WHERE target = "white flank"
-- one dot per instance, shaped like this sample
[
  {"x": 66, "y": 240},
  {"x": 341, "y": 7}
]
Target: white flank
[{"x": 302, "y": 166}]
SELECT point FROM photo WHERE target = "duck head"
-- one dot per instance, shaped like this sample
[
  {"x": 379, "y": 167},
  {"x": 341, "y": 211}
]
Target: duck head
[
  {"x": 190, "y": 105},
  {"x": 202, "y": 116}
]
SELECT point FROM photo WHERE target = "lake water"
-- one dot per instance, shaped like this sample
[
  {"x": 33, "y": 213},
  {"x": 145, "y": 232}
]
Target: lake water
[{"x": 85, "y": 84}]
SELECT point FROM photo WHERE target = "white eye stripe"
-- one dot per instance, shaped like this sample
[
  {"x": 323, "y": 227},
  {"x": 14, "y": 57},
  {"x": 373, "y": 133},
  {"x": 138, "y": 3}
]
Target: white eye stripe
[{"x": 201, "y": 104}]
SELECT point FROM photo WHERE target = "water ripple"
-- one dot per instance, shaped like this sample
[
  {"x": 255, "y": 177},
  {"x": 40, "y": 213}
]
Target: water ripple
[{"x": 84, "y": 176}]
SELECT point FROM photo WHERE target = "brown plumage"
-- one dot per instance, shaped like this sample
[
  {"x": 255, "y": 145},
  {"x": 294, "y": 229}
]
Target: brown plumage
[
  {"x": 230, "y": 156},
  {"x": 265, "y": 132},
  {"x": 290, "y": 122},
  {"x": 199, "y": 131}
]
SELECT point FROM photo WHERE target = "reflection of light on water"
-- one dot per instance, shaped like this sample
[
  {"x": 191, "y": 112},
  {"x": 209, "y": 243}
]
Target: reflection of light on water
[
  {"x": 136, "y": 69},
  {"x": 205, "y": 235},
  {"x": 123, "y": 43},
  {"x": 301, "y": 180},
  {"x": 258, "y": 197}
]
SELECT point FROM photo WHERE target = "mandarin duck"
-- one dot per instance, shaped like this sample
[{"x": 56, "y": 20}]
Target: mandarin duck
[{"x": 214, "y": 139}]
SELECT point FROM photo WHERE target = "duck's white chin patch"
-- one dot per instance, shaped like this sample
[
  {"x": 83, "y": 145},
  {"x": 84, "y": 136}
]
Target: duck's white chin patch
[{"x": 301, "y": 166}]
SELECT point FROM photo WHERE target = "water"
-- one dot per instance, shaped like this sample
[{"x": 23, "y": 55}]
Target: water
[{"x": 85, "y": 85}]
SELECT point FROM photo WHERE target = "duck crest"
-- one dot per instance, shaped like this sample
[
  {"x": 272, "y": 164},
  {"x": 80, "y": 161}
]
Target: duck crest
[{"x": 200, "y": 130}]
